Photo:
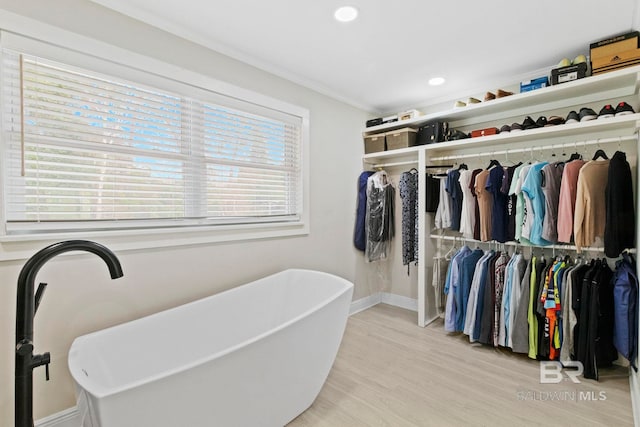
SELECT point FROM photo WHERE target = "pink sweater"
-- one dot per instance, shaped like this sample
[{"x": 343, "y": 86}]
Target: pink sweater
[{"x": 567, "y": 200}]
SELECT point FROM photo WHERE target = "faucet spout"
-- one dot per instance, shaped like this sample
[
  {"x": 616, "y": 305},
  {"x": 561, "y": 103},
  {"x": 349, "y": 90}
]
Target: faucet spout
[{"x": 26, "y": 306}]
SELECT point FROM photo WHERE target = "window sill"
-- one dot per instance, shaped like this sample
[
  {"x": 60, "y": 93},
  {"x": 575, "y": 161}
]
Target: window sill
[{"x": 23, "y": 246}]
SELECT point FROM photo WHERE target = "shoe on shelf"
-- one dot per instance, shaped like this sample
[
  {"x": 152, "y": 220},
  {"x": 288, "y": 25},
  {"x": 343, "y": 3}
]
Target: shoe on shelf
[
  {"x": 564, "y": 62},
  {"x": 587, "y": 114},
  {"x": 502, "y": 93},
  {"x": 541, "y": 122},
  {"x": 489, "y": 96},
  {"x": 555, "y": 120},
  {"x": 473, "y": 100},
  {"x": 572, "y": 117},
  {"x": 459, "y": 104},
  {"x": 623, "y": 108},
  {"x": 528, "y": 123},
  {"x": 606, "y": 112},
  {"x": 505, "y": 129},
  {"x": 579, "y": 59},
  {"x": 516, "y": 127}
]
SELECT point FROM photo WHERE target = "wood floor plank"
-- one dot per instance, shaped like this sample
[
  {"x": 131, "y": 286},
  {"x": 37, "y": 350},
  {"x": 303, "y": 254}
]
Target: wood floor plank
[{"x": 391, "y": 372}]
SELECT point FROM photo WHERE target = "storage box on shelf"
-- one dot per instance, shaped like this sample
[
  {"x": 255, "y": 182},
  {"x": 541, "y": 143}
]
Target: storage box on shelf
[
  {"x": 401, "y": 138},
  {"x": 568, "y": 73},
  {"x": 374, "y": 143},
  {"x": 594, "y": 91},
  {"x": 615, "y": 53},
  {"x": 534, "y": 84}
]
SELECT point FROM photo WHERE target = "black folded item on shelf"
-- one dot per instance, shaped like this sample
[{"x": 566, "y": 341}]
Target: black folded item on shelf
[{"x": 374, "y": 122}]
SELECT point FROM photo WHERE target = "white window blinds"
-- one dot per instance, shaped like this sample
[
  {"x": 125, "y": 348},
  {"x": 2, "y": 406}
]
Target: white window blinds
[{"x": 93, "y": 151}]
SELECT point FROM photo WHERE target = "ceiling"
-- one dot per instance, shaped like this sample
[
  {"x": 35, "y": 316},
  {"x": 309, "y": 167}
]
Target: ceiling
[{"x": 382, "y": 61}]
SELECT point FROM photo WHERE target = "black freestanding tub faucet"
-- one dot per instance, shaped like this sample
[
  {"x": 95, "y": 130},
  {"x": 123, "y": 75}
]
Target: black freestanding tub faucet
[{"x": 26, "y": 307}]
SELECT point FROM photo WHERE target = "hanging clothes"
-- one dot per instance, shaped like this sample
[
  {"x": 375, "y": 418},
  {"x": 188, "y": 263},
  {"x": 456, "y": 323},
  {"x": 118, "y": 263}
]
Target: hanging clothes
[
  {"x": 619, "y": 230},
  {"x": 550, "y": 185},
  {"x": 625, "y": 296},
  {"x": 380, "y": 216},
  {"x": 485, "y": 203},
  {"x": 590, "y": 214},
  {"x": 455, "y": 193},
  {"x": 521, "y": 205},
  {"x": 472, "y": 188},
  {"x": 468, "y": 214},
  {"x": 467, "y": 269},
  {"x": 479, "y": 276},
  {"x": 531, "y": 187},
  {"x": 440, "y": 265},
  {"x": 487, "y": 317},
  {"x": 359, "y": 233},
  {"x": 432, "y": 190},
  {"x": 567, "y": 199},
  {"x": 499, "y": 206},
  {"x": 452, "y": 289},
  {"x": 443, "y": 214},
  {"x": 520, "y": 330},
  {"x": 508, "y": 184},
  {"x": 408, "y": 189}
]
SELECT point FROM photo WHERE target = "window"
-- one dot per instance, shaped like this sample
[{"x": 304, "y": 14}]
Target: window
[{"x": 88, "y": 151}]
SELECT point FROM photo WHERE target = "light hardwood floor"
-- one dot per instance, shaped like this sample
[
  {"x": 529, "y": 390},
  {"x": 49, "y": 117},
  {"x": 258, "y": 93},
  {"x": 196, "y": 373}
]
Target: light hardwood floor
[{"x": 391, "y": 372}]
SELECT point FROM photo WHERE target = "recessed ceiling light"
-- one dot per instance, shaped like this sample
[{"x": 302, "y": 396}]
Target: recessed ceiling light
[
  {"x": 346, "y": 13},
  {"x": 436, "y": 81}
]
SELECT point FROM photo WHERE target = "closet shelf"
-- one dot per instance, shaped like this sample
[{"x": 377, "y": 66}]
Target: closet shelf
[
  {"x": 623, "y": 126},
  {"x": 615, "y": 84}
]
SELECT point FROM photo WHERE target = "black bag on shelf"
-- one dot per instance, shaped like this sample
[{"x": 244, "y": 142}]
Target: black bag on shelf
[
  {"x": 454, "y": 135},
  {"x": 432, "y": 132}
]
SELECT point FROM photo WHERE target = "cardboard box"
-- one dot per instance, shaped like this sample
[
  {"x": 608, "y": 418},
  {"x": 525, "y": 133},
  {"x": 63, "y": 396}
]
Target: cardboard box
[
  {"x": 409, "y": 114},
  {"x": 568, "y": 73},
  {"x": 401, "y": 138},
  {"x": 614, "y": 45},
  {"x": 616, "y": 61},
  {"x": 374, "y": 143},
  {"x": 534, "y": 84}
]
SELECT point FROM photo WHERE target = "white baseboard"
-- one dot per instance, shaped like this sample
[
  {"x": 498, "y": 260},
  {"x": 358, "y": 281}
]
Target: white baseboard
[
  {"x": 399, "y": 301},
  {"x": 385, "y": 298},
  {"x": 67, "y": 418},
  {"x": 71, "y": 418},
  {"x": 363, "y": 303}
]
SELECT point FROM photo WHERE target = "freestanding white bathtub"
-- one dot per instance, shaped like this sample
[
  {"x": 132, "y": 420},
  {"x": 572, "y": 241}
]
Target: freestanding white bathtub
[{"x": 256, "y": 355}]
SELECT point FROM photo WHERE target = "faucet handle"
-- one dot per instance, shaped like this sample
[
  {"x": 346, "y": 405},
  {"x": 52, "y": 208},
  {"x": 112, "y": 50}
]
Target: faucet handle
[{"x": 42, "y": 359}]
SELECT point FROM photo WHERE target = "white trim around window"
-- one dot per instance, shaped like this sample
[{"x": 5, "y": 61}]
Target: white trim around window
[{"x": 70, "y": 49}]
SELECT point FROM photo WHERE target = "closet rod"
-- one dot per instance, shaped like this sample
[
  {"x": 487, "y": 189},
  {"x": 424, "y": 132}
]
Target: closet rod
[
  {"x": 543, "y": 147},
  {"x": 383, "y": 165},
  {"x": 552, "y": 247}
]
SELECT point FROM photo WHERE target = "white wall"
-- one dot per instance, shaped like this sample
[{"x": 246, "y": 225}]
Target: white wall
[{"x": 81, "y": 298}]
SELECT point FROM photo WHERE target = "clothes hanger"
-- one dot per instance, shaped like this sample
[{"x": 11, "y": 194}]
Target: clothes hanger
[
  {"x": 463, "y": 166},
  {"x": 493, "y": 163},
  {"x": 600, "y": 153},
  {"x": 575, "y": 156}
]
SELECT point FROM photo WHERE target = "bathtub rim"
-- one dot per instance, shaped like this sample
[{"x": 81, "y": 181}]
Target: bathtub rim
[{"x": 99, "y": 391}]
